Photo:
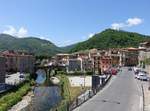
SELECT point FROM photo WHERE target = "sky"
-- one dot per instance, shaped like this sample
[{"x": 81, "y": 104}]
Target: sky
[{"x": 65, "y": 22}]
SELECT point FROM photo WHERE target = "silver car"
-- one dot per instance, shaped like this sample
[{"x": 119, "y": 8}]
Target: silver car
[{"x": 142, "y": 76}]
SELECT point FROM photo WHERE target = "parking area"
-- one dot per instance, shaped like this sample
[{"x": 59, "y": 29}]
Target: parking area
[
  {"x": 14, "y": 79},
  {"x": 79, "y": 81}
]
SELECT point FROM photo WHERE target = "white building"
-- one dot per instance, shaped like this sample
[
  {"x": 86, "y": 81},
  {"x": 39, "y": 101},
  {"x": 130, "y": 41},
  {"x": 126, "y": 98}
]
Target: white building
[{"x": 144, "y": 52}]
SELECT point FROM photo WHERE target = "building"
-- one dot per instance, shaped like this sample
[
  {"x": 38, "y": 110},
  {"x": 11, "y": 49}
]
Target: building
[
  {"x": 61, "y": 59},
  {"x": 144, "y": 52},
  {"x": 97, "y": 68},
  {"x": 79, "y": 64},
  {"x": 74, "y": 65},
  {"x": 130, "y": 56},
  {"x": 145, "y": 45},
  {"x": 11, "y": 60},
  {"x": 102, "y": 63},
  {"x": 25, "y": 63},
  {"x": 116, "y": 57},
  {"x": 2, "y": 69},
  {"x": 18, "y": 61},
  {"x": 105, "y": 63}
]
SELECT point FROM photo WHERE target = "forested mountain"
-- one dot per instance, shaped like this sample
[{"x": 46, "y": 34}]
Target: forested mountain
[
  {"x": 106, "y": 39},
  {"x": 28, "y": 44},
  {"x": 111, "y": 39}
]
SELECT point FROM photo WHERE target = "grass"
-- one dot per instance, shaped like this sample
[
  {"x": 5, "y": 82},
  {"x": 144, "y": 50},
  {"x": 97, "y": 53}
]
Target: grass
[
  {"x": 147, "y": 61},
  {"x": 76, "y": 91},
  {"x": 64, "y": 84},
  {"x": 69, "y": 93}
]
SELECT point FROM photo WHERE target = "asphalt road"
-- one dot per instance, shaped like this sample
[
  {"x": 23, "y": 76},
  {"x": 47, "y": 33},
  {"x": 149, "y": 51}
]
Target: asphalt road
[{"x": 122, "y": 93}]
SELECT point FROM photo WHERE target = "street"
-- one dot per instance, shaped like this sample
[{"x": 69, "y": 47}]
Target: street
[{"x": 122, "y": 93}]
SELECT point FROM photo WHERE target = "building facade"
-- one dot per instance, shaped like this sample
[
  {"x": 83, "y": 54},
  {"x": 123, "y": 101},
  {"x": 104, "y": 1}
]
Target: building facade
[
  {"x": 144, "y": 52},
  {"x": 74, "y": 65},
  {"x": 102, "y": 63},
  {"x": 18, "y": 61},
  {"x": 130, "y": 56},
  {"x": 80, "y": 64},
  {"x": 2, "y": 69}
]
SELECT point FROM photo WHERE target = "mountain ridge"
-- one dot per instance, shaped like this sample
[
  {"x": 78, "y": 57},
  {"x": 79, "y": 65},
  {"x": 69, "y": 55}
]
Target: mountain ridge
[
  {"x": 29, "y": 44},
  {"x": 108, "y": 38}
]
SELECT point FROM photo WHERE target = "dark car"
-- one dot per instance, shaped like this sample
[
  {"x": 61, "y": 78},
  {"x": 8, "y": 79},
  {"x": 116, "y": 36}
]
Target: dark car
[
  {"x": 21, "y": 76},
  {"x": 129, "y": 69}
]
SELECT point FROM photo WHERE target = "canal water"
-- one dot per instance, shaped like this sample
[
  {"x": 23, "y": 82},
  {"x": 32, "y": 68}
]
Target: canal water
[{"x": 44, "y": 98}]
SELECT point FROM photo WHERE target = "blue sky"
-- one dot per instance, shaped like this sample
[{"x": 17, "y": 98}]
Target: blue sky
[{"x": 69, "y": 21}]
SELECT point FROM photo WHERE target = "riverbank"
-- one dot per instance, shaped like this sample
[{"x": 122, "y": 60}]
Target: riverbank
[
  {"x": 26, "y": 100},
  {"x": 13, "y": 97},
  {"x": 68, "y": 93}
]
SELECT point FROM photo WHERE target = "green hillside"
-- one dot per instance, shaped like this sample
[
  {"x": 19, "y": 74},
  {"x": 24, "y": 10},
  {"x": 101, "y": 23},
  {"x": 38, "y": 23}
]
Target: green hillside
[
  {"x": 29, "y": 44},
  {"x": 111, "y": 39},
  {"x": 104, "y": 40}
]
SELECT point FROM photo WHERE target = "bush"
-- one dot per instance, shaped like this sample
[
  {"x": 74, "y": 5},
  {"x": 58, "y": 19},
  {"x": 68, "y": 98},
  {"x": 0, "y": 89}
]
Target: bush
[
  {"x": 61, "y": 72},
  {"x": 89, "y": 73},
  {"x": 12, "y": 98},
  {"x": 79, "y": 73}
]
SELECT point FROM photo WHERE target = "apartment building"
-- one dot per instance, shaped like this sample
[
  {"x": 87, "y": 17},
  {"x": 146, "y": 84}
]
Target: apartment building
[
  {"x": 2, "y": 69},
  {"x": 102, "y": 63},
  {"x": 18, "y": 61}
]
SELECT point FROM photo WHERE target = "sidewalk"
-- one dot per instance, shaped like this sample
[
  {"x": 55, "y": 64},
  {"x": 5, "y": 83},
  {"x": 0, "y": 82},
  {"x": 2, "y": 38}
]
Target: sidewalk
[{"x": 146, "y": 96}]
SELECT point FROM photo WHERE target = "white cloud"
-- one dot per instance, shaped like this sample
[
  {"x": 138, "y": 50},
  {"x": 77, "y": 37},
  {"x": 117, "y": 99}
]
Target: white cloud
[
  {"x": 90, "y": 35},
  {"x": 21, "y": 32},
  {"x": 10, "y": 30},
  {"x": 129, "y": 23},
  {"x": 134, "y": 21},
  {"x": 117, "y": 26},
  {"x": 44, "y": 38}
]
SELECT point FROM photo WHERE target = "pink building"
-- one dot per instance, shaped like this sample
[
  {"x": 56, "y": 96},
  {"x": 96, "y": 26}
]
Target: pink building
[
  {"x": 105, "y": 63},
  {"x": 102, "y": 63}
]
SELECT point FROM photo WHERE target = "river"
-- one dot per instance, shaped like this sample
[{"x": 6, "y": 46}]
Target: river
[{"x": 44, "y": 98}]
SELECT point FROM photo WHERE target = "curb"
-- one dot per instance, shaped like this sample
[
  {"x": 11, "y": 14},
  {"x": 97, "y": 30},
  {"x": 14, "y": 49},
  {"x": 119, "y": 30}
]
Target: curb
[{"x": 143, "y": 98}]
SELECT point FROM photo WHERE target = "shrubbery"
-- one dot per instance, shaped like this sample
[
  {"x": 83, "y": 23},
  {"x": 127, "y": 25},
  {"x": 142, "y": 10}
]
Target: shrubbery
[
  {"x": 76, "y": 73},
  {"x": 12, "y": 98},
  {"x": 79, "y": 73}
]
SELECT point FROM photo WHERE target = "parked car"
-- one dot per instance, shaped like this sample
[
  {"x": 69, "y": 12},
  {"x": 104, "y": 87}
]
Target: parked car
[
  {"x": 21, "y": 76},
  {"x": 129, "y": 69},
  {"x": 113, "y": 71},
  {"x": 142, "y": 76}
]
